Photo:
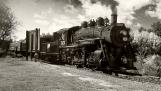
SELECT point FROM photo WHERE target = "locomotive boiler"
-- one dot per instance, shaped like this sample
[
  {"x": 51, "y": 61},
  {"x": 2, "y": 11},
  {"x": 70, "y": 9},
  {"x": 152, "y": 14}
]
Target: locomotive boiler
[{"x": 116, "y": 34}]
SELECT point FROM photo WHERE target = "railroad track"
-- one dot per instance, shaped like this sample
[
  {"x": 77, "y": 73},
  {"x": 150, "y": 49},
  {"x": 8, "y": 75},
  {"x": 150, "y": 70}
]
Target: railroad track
[
  {"x": 143, "y": 79},
  {"x": 138, "y": 78}
]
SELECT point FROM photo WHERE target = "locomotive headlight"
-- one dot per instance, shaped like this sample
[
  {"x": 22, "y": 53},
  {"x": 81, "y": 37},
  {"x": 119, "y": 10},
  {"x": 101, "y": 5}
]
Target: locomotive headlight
[
  {"x": 123, "y": 32},
  {"x": 125, "y": 39}
]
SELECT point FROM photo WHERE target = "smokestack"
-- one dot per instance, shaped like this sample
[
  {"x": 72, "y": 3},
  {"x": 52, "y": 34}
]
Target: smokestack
[
  {"x": 114, "y": 15},
  {"x": 113, "y": 19}
]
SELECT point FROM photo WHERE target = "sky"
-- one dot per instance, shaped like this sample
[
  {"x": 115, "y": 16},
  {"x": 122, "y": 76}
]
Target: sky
[{"x": 52, "y": 15}]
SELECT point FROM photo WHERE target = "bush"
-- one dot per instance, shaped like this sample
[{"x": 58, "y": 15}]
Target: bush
[
  {"x": 147, "y": 46},
  {"x": 146, "y": 43},
  {"x": 152, "y": 65}
]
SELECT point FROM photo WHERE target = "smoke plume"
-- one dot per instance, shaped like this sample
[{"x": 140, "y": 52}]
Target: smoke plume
[{"x": 114, "y": 9}]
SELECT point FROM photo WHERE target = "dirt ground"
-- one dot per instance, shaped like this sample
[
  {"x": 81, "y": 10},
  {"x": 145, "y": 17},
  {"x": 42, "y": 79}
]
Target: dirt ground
[{"x": 16, "y": 74}]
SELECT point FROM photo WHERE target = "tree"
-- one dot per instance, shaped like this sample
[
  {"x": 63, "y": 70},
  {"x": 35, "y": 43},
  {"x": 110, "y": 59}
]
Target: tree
[
  {"x": 156, "y": 27},
  {"x": 7, "y": 25},
  {"x": 7, "y": 22}
]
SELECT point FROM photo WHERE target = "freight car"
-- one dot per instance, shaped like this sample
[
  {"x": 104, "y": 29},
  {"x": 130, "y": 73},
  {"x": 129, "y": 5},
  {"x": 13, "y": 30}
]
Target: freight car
[
  {"x": 17, "y": 48},
  {"x": 13, "y": 49},
  {"x": 32, "y": 42}
]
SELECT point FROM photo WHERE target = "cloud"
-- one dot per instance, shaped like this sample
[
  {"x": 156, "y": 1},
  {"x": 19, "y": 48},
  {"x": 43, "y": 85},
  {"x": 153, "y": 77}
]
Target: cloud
[
  {"x": 133, "y": 4},
  {"x": 63, "y": 22},
  {"x": 94, "y": 10},
  {"x": 70, "y": 9},
  {"x": 75, "y": 3},
  {"x": 43, "y": 14},
  {"x": 42, "y": 17},
  {"x": 152, "y": 14},
  {"x": 39, "y": 16},
  {"x": 42, "y": 22},
  {"x": 155, "y": 12},
  {"x": 82, "y": 17},
  {"x": 127, "y": 8}
]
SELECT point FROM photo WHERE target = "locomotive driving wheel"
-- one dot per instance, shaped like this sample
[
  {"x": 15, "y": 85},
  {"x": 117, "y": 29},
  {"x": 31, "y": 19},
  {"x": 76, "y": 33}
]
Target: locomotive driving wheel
[
  {"x": 78, "y": 60},
  {"x": 91, "y": 63}
]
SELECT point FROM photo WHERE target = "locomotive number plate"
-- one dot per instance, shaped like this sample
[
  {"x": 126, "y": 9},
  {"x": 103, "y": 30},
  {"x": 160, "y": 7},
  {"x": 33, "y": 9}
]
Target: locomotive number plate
[{"x": 62, "y": 42}]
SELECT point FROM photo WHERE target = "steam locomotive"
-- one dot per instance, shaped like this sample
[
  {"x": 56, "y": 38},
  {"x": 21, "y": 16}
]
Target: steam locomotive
[{"x": 97, "y": 45}]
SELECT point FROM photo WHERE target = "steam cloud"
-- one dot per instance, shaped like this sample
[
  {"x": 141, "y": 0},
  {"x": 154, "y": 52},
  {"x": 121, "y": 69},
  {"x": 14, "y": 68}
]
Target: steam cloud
[
  {"x": 104, "y": 8},
  {"x": 114, "y": 9}
]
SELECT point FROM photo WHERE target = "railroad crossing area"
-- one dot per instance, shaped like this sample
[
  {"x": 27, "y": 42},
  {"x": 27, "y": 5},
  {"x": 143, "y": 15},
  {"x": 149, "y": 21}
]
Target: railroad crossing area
[{"x": 17, "y": 74}]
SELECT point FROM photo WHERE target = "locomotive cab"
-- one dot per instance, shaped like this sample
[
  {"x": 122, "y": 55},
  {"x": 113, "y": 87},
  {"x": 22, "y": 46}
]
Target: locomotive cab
[{"x": 52, "y": 52}]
